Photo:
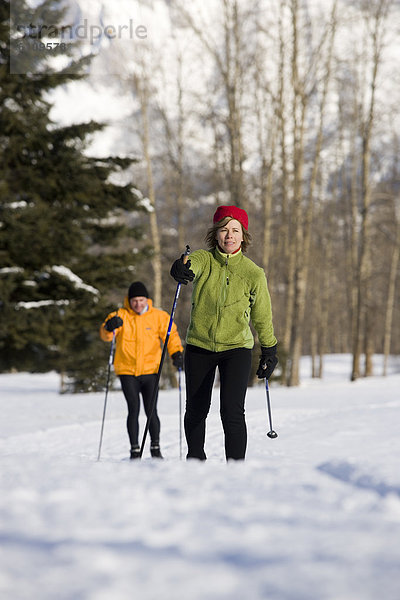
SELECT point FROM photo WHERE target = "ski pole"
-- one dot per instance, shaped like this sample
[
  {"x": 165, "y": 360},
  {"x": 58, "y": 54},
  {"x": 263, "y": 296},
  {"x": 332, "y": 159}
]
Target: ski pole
[
  {"x": 271, "y": 433},
  {"x": 110, "y": 362},
  {"x": 180, "y": 413},
  {"x": 164, "y": 350}
]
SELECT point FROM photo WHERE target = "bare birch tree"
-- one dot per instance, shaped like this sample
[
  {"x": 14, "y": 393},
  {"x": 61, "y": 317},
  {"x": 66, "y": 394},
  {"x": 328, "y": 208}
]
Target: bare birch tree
[
  {"x": 142, "y": 89},
  {"x": 228, "y": 62},
  {"x": 375, "y": 15},
  {"x": 303, "y": 211},
  {"x": 174, "y": 146},
  {"x": 393, "y": 275}
]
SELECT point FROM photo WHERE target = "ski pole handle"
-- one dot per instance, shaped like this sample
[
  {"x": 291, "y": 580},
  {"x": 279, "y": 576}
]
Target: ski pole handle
[
  {"x": 186, "y": 254},
  {"x": 178, "y": 290}
]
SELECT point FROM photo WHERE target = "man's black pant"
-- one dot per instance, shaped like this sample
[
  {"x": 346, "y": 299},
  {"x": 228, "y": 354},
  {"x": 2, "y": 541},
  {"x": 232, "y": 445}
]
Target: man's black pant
[
  {"x": 234, "y": 369},
  {"x": 132, "y": 387}
]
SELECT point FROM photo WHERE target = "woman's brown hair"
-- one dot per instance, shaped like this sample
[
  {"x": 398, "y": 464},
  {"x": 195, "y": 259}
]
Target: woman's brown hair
[{"x": 211, "y": 235}]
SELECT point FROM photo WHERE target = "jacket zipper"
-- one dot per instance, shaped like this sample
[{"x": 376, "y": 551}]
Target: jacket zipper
[{"x": 219, "y": 305}]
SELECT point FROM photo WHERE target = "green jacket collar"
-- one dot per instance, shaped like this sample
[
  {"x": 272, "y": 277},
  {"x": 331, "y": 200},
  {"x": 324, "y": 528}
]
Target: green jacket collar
[{"x": 223, "y": 258}]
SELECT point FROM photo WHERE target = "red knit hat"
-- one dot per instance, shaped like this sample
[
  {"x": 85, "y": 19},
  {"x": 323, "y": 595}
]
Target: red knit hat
[{"x": 232, "y": 211}]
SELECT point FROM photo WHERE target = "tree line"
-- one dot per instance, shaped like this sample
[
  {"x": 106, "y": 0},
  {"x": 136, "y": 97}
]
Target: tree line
[
  {"x": 288, "y": 109},
  {"x": 283, "y": 108}
]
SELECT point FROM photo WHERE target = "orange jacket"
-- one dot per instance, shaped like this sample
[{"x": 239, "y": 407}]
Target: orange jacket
[{"x": 138, "y": 342}]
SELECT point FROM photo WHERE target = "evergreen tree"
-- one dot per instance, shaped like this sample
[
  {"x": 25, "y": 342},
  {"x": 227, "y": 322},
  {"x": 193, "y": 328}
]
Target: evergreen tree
[{"x": 66, "y": 233}]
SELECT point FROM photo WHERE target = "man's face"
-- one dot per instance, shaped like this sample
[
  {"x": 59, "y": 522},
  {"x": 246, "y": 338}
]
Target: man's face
[{"x": 138, "y": 303}]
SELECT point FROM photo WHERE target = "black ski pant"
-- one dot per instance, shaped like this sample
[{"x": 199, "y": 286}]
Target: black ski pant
[
  {"x": 132, "y": 387},
  {"x": 234, "y": 370}
]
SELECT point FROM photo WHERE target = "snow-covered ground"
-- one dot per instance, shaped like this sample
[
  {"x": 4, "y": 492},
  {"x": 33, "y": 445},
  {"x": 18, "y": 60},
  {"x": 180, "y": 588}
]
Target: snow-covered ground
[{"x": 313, "y": 514}]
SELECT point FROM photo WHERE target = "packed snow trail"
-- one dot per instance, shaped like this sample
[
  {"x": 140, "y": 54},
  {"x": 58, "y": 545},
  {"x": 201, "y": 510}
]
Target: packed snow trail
[{"x": 313, "y": 514}]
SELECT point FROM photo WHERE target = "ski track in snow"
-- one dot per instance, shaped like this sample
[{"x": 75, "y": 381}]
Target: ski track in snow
[{"x": 313, "y": 514}]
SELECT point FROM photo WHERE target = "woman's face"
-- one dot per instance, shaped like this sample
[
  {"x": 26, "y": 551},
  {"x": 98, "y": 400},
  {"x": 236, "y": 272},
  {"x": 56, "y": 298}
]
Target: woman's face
[{"x": 230, "y": 236}]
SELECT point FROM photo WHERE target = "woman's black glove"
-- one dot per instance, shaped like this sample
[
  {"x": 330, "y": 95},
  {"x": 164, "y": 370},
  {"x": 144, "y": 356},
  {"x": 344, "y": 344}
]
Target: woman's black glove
[
  {"x": 113, "y": 323},
  {"x": 177, "y": 359},
  {"x": 181, "y": 272},
  {"x": 268, "y": 362}
]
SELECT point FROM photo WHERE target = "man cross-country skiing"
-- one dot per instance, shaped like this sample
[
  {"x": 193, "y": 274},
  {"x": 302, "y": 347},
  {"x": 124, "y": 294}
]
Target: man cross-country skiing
[{"x": 140, "y": 328}]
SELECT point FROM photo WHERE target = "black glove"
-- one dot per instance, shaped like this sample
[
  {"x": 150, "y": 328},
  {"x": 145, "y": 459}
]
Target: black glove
[
  {"x": 113, "y": 323},
  {"x": 181, "y": 272},
  {"x": 268, "y": 362},
  {"x": 177, "y": 359}
]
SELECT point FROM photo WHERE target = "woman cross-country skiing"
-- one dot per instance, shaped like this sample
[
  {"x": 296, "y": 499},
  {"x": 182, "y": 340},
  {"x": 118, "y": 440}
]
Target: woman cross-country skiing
[
  {"x": 139, "y": 329},
  {"x": 229, "y": 291}
]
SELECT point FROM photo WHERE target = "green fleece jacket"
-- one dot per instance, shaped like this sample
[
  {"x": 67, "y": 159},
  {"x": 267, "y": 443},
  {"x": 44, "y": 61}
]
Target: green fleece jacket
[{"x": 229, "y": 290}]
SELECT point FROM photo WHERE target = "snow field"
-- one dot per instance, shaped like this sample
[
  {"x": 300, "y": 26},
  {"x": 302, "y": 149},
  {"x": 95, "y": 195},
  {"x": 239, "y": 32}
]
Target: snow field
[{"x": 313, "y": 514}]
